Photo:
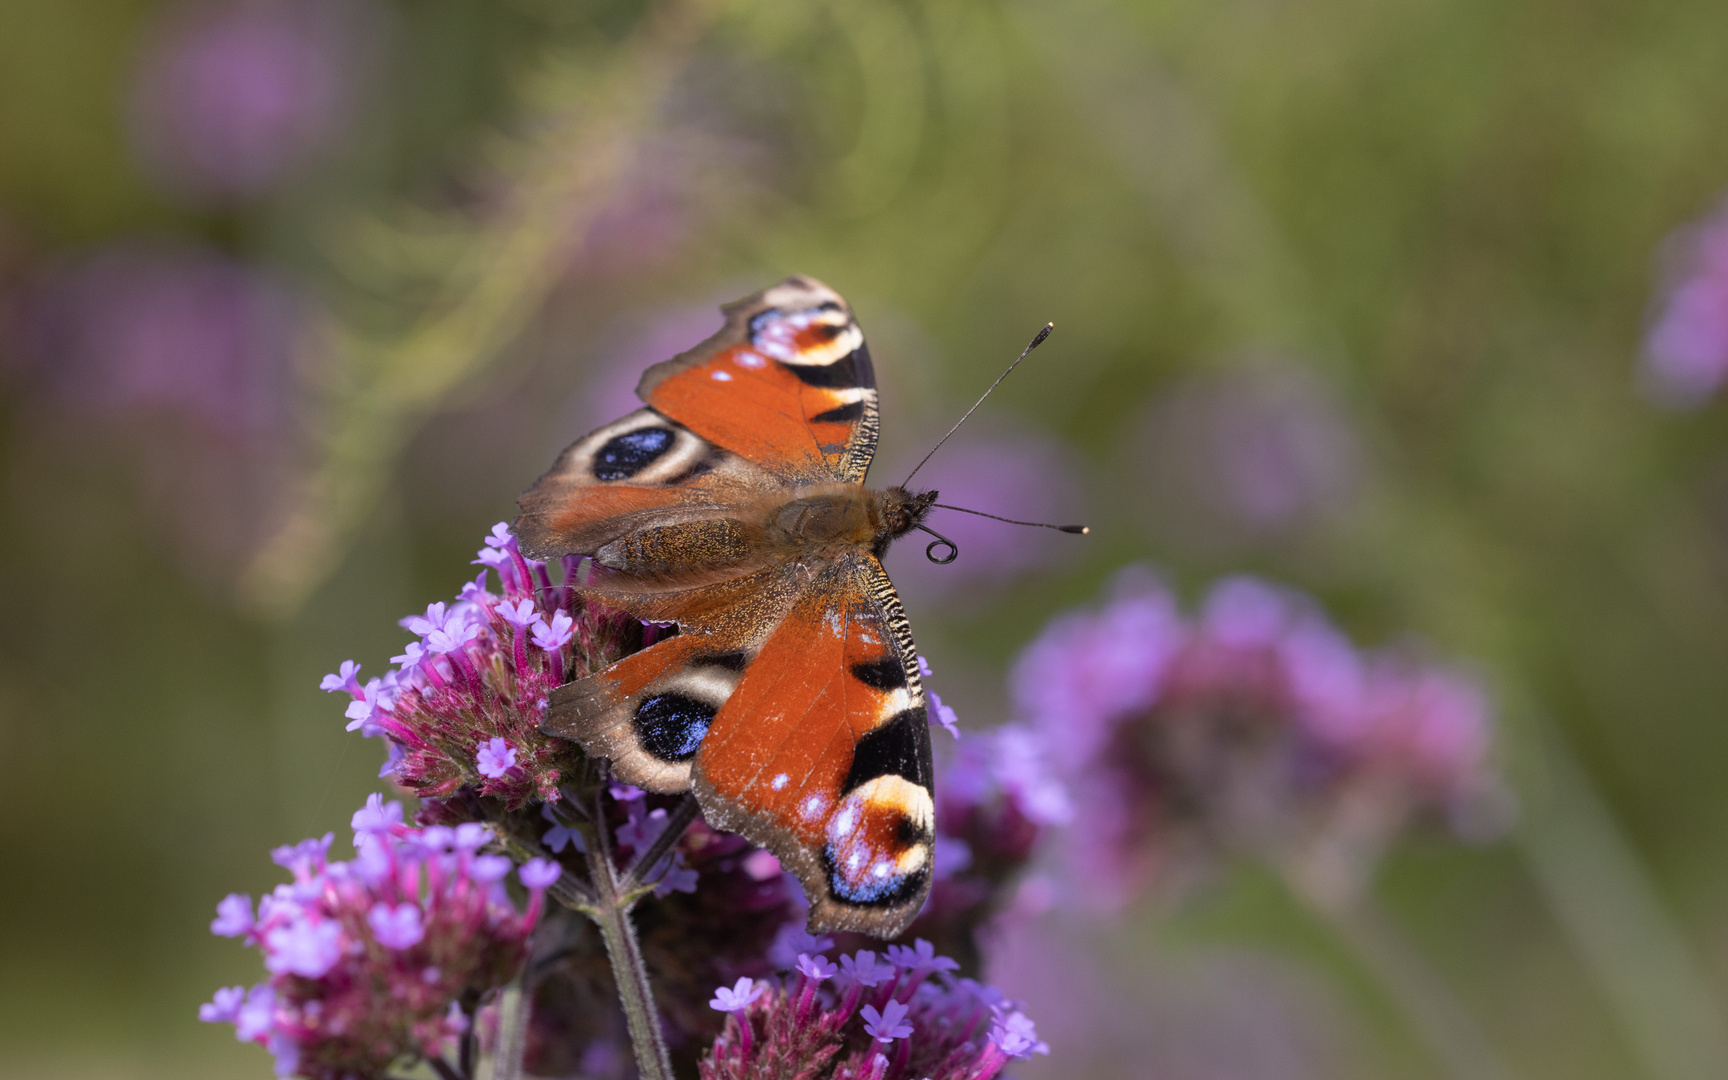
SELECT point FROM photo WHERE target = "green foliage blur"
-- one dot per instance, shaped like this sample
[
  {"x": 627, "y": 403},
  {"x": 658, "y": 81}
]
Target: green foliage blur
[{"x": 1441, "y": 219}]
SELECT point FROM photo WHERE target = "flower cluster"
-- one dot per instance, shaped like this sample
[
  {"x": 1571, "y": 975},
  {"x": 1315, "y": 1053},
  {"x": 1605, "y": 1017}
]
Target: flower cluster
[
  {"x": 867, "y": 1018},
  {"x": 464, "y": 705},
  {"x": 1256, "y": 725},
  {"x": 371, "y": 960}
]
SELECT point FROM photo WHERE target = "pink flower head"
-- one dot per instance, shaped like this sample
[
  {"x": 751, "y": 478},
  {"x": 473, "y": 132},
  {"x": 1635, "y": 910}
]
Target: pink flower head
[{"x": 233, "y": 99}]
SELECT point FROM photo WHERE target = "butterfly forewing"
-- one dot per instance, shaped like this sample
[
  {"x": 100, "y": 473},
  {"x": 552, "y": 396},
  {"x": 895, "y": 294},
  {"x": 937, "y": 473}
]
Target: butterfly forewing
[{"x": 786, "y": 383}]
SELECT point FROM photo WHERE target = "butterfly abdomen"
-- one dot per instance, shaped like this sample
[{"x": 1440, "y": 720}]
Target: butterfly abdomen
[{"x": 688, "y": 546}]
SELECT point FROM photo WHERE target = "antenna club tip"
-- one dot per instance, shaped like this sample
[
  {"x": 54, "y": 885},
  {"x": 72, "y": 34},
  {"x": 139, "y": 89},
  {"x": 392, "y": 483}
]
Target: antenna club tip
[{"x": 1078, "y": 530}]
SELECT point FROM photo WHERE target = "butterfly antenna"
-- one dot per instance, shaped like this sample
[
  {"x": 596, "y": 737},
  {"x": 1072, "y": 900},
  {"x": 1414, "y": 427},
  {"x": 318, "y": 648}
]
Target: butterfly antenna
[
  {"x": 1027, "y": 351},
  {"x": 1078, "y": 530}
]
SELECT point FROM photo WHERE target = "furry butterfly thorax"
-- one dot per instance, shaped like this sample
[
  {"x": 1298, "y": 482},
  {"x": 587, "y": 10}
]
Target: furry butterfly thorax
[{"x": 789, "y": 699}]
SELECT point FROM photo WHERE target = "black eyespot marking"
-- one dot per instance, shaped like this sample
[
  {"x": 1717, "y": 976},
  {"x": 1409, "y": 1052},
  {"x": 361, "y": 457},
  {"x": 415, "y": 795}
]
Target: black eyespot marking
[
  {"x": 626, "y": 455},
  {"x": 732, "y": 661},
  {"x": 672, "y": 726},
  {"x": 886, "y": 673},
  {"x": 842, "y": 414},
  {"x": 900, "y": 747},
  {"x": 830, "y": 330},
  {"x": 840, "y": 375}
]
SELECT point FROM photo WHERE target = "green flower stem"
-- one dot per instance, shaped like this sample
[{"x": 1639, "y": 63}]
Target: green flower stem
[{"x": 628, "y": 969}]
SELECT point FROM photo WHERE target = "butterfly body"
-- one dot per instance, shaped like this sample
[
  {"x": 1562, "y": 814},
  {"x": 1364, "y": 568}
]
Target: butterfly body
[
  {"x": 814, "y": 525},
  {"x": 789, "y": 699}
]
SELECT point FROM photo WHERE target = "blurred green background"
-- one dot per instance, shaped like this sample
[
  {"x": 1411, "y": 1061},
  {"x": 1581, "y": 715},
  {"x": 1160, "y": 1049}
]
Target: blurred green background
[{"x": 299, "y": 294}]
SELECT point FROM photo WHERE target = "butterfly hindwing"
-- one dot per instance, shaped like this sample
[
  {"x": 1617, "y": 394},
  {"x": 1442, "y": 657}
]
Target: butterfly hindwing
[
  {"x": 650, "y": 711},
  {"x": 822, "y": 754},
  {"x": 787, "y": 384}
]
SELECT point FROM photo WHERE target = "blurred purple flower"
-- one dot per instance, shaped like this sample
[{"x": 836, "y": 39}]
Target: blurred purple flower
[
  {"x": 163, "y": 325},
  {"x": 232, "y": 98},
  {"x": 1686, "y": 350},
  {"x": 1087, "y": 669},
  {"x": 1251, "y": 455},
  {"x": 1263, "y": 729}
]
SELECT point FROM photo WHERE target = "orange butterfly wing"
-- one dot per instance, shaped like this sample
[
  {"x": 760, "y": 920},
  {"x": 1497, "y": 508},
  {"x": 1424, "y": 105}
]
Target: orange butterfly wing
[
  {"x": 787, "y": 383},
  {"x": 821, "y": 753}
]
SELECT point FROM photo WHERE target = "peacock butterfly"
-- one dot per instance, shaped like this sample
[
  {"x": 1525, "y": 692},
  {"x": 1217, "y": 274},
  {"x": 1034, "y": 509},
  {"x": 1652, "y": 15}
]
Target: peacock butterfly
[{"x": 734, "y": 506}]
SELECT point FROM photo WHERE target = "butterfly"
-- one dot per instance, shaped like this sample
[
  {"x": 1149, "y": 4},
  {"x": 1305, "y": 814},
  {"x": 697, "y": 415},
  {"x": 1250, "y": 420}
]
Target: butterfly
[{"x": 734, "y": 506}]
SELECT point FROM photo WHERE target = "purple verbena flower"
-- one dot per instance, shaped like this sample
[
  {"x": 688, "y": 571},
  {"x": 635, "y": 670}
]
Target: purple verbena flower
[
  {"x": 741, "y": 995},
  {"x": 367, "y": 958},
  {"x": 944, "y": 714},
  {"x": 471, "y": 680},
  {"x": 817, "y": 968},
  {"x": 560, "y": 835},
  {"x": 864, "y": 969},
  {"x": 1015, "y": 1034},
  {"x": 396, "y": 926},
  {"x": 553, "y": 635},
  {"x": 496, "y": 757},
  {"x": 539, "y": 873},
  {"x": 903, "y": 1028},
  {"x": 887, "y": 1025},
  {"x": 233, "y": 916},
  {"x": 1262, "y": 725},
  {"x": 225, "y": 1007}
]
